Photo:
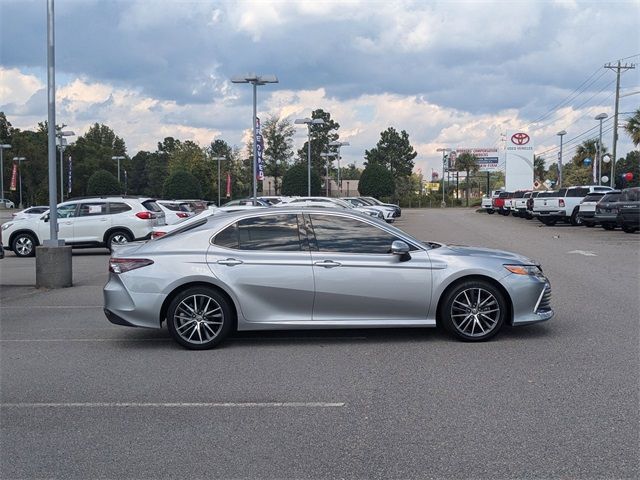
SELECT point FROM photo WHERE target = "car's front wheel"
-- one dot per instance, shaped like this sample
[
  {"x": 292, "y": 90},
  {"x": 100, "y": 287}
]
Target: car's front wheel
[
  {"x": 474, "y": 310},
  {"x": 24, "y": 245},
  {"x": 199, "y": 318},
  {"x": 117, "y": 238}
]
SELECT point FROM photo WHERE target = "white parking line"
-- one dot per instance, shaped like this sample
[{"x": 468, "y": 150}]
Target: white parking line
[
  {"x": 26, "y": 340},
  {"x": 49, "y": 307},
  {"x": 584, "y": 252},
  {"x": 177, "y": 405}
]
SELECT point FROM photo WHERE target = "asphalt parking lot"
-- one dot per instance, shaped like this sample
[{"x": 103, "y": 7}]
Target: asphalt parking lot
[{"x": 81, "y": 398}]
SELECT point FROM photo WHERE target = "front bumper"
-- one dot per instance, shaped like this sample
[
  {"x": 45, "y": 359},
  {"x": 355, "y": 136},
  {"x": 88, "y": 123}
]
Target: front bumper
[{"x": 530, "y": 299}]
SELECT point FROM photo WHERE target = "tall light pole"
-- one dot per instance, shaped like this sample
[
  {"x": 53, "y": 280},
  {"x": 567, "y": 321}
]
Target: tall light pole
[
  {"x": 2, "y": 149},
  {"x": 600, "y": 117},
  {"x": 254, "y": 80},
  {"x": 219, "y": 159},
  {"x": 62, "y": 144},
  {"x": 443, "y": 150},
  {"x": 339, "y": 144},
  {"x": 561, "y": 134},
  {"x": 308, "y": 122},
  {"x": 19, "y": 160},
  {"x": 118, "y": 158},
  {"x": 327, "y": 155}
]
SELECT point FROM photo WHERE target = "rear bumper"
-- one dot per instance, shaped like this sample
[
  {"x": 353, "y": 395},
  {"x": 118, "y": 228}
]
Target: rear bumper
[{"x": 549, "y": 213}]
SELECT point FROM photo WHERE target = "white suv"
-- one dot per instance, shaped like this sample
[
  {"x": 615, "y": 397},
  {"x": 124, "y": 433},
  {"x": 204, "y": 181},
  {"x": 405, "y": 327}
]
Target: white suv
[{"x": 87, "y": 222}]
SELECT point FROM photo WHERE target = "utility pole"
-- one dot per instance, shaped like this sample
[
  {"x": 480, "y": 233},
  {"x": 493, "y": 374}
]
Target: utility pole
[{"x": 619, "y": 68}]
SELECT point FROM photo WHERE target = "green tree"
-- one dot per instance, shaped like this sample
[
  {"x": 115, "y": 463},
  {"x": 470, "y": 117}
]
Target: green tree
[
  {"x": 295, "y": 181},
  {"x": 394, "y": 152},
  {"x": 278, "y": 137},
  {"x": 321, "y": 136},
  {"x": 190, "y": 157},
  {"x": 467, "y": 162},
  {"x": 632, "y": 127},
  {"x": 103, "y": 182},
  {"x": 182, "y": 184},
  {"x": 538, "y": 167},
  {"x": 350, "y": 172},
  {"x": 138, "y": 179},
  {"x": 376, "y": 181}
]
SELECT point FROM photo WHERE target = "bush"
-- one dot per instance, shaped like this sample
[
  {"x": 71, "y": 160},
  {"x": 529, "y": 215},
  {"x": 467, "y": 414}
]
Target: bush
[
  {"x": 376, "y": 181},
  {"x": 295, "y": 181},
  {"x": 182, "y": 184},
  {"x": 103, "y": 183}
]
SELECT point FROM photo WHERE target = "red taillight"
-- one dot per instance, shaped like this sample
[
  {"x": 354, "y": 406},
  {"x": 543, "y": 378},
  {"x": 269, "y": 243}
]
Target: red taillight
[
  {"x": 561, "y": 203},
  {"x": 155, "y": 235},
  {"x": 145, "y": 215},
  {"x": 121, "y": 265},
  {"x": 182, "y": 214}
]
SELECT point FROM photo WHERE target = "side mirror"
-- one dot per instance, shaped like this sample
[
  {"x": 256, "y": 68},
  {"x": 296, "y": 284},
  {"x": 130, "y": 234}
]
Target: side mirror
[
  {"x": 45, "y": 217},
  {"x": 400, "y": 248}
]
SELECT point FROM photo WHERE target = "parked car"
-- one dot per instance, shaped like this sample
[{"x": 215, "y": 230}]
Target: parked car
[
  {"x": 375, "y": 201},
  {"x": 329, "y": 202},
  {"x": 7, "y": 203},
  {"x": 532, "y": 197},
  {"x": 564, "y": 205},
  {"x": 175, "y": 211},
  {"x": 290, "y": 267},
  {"x": 257, "y": 202},
  {"x": 607, "y": 210},
  {"x": 500, "y": 203},
  {"x": 388, "y": 213},
  {"x": 30, "y": 212},
  {"x": 196, "y": 205},
  {"x": 587, "y": 208},
  {"x": 519, "y": 203},
  {"x": 629, "y": 209},
  {"x": 87, "y": 222},
  {"x": 487, "y": 201}
]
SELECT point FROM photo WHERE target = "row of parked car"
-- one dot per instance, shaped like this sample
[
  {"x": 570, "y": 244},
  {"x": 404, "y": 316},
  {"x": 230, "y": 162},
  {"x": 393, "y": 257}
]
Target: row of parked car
[
  {"x": 588, "y": 205},
  {"x": 116, "y": 220}
]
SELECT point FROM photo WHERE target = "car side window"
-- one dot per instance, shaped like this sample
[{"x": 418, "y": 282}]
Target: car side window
[
  {"x": 349, "y": 235},
  {"x": 91, "y": 209},
  {"x": 67, "y": 211},
  {"x": 118, "y": 207},
  {"x": 273, "y": 233}
]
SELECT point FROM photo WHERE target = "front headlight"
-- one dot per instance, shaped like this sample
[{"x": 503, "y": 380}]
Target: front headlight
[{"x": 533, "y": 270}]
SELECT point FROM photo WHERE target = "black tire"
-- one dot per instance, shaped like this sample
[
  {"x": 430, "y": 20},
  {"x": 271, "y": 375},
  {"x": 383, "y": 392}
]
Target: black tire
[
  {"x": 609, "y": 226},
  {"x": 24, "y": 245},
  {"x": 528, "y": 216},
  {"x": 480, "y": 299},
  {"x": 187, "y": 318},
  {"x": 575, "y": 220},
  {"x": 506, "y": 212},
  {"x": 118, "y": 237},
  {"x": 516, "y": 214},
  {"x": 629, "y": 229},
  {"x": 491, "y": 212},
  {"x": 589, "y": 224}
]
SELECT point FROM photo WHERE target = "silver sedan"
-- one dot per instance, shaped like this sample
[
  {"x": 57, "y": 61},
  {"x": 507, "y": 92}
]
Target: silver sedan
[{"x": 300, "y": 268}]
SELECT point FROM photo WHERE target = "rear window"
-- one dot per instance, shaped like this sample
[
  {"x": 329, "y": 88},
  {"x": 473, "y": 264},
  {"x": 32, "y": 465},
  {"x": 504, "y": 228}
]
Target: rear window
[
  {"x": 535, "y": 194},
  {"x": 577, "y": 192},
  {"x": 593, "y": 197},
  {"x": 504, "y": 195},
  {"x": 174, "y": 207},
  {"x": 152, "y": 206},
  {"x": 547, "y": 194},
  {"x": 518, "y": 194},
  {"x": 611, "y": 197},
  {"x": 631, "y": 195},
  {"x": 561, "y": 193}
]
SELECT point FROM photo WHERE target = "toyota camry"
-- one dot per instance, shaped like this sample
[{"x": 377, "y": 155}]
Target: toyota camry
[{"x": 310, "y": 268}]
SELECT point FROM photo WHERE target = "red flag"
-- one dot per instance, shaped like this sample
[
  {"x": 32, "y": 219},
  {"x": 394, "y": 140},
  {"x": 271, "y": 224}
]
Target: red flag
[
  {"x": 14, "y": 177},
  {"x": 228, "y": 185}
]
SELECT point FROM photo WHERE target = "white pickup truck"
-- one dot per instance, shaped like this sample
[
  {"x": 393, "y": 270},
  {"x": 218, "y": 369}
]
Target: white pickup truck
[
  {"x": 564, "y": 205},
  {"x": 487, "y": 201}
]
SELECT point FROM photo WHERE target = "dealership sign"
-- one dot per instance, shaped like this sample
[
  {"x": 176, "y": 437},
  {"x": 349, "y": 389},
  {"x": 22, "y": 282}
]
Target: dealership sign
[
  {"x": 518, "y": 161},
  {"x": 487, "y": 158}
]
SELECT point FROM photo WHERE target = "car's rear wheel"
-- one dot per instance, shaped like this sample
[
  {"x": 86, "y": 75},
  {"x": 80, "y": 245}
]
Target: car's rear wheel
[
  {"x": 199, "y": 318},
  {"x": 474, "y": 310},
  {"x": 490, "y": 212},
  {"x": 24, "y": 245},
  {"x": 116, "y": 238},
  {"x": 575, "y": 219},
  {"x": 629, "y": 228}
]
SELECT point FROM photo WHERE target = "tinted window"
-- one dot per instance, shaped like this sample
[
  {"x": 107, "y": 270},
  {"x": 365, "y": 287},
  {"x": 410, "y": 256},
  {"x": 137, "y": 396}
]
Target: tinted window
[
  {"x": 118, "y": 207},
  {"x": 577, "y": 192},
  {"x": 593, "y": 197},
  {"x": 67, "y": 211},
  {"x": 561, "y": 193},
  {"x": 518, "y": 195},
  {"x": 152, "y": 206},
  {"x": 611, "y": 197},
  {"x": 90, "y": 209},
  {"x": 339, "y": 234},
  {"x": 631, "y": 195},
  {"x": 503, "y": 195},
  {"x": 174, "y": 207},
  {"x": 274, "y": 232}
]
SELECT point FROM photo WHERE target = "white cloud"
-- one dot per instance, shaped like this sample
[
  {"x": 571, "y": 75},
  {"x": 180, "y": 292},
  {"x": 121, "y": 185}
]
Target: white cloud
[{"x": 17, "y": 87}]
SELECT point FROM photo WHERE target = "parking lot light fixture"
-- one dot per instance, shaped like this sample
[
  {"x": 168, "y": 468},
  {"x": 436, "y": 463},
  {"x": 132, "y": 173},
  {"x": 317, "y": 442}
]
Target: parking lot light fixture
[
  {"x": 327, "y": 155},
  {"x": 20, "y": 160},
  {"x": 561, "y": 134},
  {"x": 600, "y": 117},
  {"x": 308, "y": 122},
  {"x": 3, "y": 147},
  {"x": 254, "y": 80},
  {"x": 118, "y": 158},
  {"x": 339, "y": 144},
  {"x": 444, "y": 151},
  {"x": 219, "y": 159},
  {"x": 62, "y": 143}
]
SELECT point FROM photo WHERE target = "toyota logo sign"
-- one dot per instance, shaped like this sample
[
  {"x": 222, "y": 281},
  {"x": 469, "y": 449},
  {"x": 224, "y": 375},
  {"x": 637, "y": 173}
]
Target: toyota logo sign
[{"x": 520, "y": 138}]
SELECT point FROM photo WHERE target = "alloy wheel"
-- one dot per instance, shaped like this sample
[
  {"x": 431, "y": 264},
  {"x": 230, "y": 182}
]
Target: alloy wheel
[
  {"x": 198, "y": 319},
  {"x": 119, "y": 239},
  {"x": 24, "y": 246},
  {"x": 475, "y": 312}
]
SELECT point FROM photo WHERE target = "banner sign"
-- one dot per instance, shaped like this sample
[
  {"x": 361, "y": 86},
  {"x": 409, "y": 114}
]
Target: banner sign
[
  {"x": 259, "y": 151},
  {"x": 69, "y": 178},
  {"x": 518, "y": 161},
  {"x": 434, "y": 187},
  {"x": 14, "y": 178},
  {"x": 228, "y": 185},
  {"x": 488, "y": 158}
]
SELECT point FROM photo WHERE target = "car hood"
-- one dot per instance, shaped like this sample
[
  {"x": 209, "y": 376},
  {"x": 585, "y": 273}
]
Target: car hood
[{"x": 500, "y": 255}]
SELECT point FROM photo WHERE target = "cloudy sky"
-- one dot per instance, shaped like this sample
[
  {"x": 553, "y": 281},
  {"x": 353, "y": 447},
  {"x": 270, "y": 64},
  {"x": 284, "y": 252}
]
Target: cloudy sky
[{"x": 450, "y": 73}]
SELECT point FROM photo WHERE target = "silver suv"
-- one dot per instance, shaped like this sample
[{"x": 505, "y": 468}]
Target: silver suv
[{"x": 87, "y": 222}]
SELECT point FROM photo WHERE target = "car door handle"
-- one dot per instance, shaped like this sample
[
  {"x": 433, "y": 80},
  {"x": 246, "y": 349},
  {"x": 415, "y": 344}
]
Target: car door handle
[
  {"x": 327, "y": 264},
  {"x": 230, "y": 262}
]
